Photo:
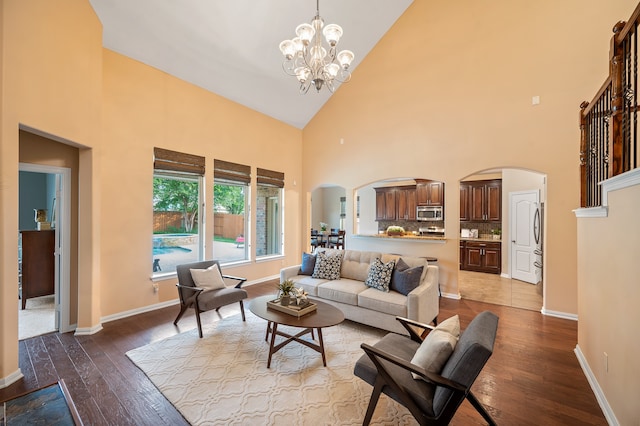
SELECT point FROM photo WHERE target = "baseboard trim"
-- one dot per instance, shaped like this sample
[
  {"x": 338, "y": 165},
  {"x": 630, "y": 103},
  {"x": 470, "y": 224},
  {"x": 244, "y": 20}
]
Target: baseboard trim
[
  {"x": 455, "y": 296},
  {"x": 558, "y": 314},
  {"x": 595, "y": 387},
  {"x": 87, "y": 331},
  {"x": 149, "y": 308},
  {"x": 11, "y": 378},
  {"x": 505, "y": 275}
]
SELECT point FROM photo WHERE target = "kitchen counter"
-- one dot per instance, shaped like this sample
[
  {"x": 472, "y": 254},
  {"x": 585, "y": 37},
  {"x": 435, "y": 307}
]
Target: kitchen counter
[
  {"x": 480, "y": 239},
  {"x": 408, "y": 237}
]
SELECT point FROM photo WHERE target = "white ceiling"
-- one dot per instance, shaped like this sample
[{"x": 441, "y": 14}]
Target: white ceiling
[{"x": 230, "y": 47}]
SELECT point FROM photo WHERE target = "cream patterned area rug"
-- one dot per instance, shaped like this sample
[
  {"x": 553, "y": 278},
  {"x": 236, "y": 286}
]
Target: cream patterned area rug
[{"x": 222, "y": 379}]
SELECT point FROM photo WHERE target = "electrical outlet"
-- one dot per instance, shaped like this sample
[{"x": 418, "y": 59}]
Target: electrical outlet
[
  {"x": 156, "y": 287},
  {"x": 606, "y": 362}
]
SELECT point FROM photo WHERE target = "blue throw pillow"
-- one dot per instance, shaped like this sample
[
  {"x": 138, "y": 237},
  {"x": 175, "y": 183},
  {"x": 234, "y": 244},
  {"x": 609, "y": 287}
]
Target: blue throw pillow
[
  {"x": 405, "y": 279},
  {"x": 308, "y": 264}
]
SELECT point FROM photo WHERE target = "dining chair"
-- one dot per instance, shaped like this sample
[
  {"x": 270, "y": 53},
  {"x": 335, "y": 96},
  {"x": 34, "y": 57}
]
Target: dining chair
[{"x": 337, "y": 240}]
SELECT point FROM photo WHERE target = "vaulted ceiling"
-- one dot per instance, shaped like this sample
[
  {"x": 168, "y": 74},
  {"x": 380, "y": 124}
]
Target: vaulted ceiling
[{"x": 230, "y": 47}]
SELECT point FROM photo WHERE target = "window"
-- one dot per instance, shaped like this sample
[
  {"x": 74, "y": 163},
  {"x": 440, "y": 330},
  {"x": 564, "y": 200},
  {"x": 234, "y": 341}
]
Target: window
[
  {"x": 177, "y": 195},
  {"x": 231, "y": 211},
  {"x": 269, "y": 215}
]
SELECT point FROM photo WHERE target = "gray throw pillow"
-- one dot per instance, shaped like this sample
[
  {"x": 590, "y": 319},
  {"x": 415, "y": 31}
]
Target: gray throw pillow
[
  {"x": 308, "y": 264},
  {"x": 327, "y": 266},
  {"x": 380, "y": 275},
  {"x": 405, "y": 279}
]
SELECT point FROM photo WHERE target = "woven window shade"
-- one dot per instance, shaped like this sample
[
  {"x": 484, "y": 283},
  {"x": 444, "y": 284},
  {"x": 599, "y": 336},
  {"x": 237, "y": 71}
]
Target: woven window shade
[
  {"x": 231, "y": 171},
  {"x": 164, "y": 159},
  {"x": 271, "y": 178}
]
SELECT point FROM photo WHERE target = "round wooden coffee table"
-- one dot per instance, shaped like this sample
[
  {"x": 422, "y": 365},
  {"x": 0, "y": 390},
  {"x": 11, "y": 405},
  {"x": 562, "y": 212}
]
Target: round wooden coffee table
[{"x": 325, "y": 315}]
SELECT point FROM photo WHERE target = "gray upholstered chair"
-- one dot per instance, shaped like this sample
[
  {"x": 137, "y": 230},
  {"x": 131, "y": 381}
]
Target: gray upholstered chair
[
  {"x": 202, "y": 301},
  {"x": 387, "y": 367}
]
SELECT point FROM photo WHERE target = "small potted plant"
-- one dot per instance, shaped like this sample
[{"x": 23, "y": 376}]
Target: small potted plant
[
  {"x": 395, "y": 231},
  {"x": 496, "y": 233},
  {"x": 285, "y": 289}
]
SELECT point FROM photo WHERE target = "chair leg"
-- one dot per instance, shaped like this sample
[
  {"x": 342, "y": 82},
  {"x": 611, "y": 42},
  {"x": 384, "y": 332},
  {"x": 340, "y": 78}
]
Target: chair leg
[
  {"x": 199, "y": 323},
  {"x": 183, "y": 309},
  {"x": 373, "y": 401},
  {"x": 478, "y": 406},
  {"x": 242, "y": 310}
]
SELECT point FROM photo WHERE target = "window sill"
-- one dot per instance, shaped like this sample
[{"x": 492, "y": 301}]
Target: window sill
[{"x": 269, "y": 258}]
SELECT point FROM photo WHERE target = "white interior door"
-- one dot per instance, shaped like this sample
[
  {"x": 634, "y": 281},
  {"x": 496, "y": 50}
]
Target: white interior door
[{"x": 522, "y": 208}]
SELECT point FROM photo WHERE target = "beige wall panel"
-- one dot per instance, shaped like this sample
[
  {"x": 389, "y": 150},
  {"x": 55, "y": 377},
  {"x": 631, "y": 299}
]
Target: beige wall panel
[{"x": 445, "y": 95}]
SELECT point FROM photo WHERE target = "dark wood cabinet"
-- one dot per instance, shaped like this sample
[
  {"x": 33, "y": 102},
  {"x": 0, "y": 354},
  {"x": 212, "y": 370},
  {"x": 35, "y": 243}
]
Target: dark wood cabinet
[
  {"x": 429, "y": 192},
  {"x": 386, "y": 203},
  {"x": 406, "y": 203},
  {"x": 38, "y": 267},
  {"x": 481, "y": 256},
  {"x": 481, "y": 201},
  {"x": 465, "y": 201}
]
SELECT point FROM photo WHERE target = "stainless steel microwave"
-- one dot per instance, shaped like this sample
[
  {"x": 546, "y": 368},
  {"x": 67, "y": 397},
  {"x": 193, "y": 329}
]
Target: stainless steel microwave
[{"x": 426, "y": 213}]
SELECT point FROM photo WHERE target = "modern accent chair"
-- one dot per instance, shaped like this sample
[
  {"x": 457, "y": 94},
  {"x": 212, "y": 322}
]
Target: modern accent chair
[
  {"x": 194, "y": 297},
  {"x": 435, "y": 398}
]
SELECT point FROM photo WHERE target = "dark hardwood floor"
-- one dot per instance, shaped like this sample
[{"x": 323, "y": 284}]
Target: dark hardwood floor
[{"x": 533, "y": 377}]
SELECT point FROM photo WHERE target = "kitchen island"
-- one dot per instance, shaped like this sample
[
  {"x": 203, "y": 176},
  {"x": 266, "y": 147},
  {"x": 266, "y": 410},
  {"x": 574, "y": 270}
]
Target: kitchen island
[{"x": 407, "y": 237}]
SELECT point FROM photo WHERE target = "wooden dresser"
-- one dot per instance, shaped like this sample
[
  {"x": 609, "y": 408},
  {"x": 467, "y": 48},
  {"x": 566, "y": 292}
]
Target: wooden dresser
[{"x": 38, "y": 267}]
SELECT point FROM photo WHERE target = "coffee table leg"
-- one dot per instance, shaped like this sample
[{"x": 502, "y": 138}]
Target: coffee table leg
[
  {"x": 324, "y": 359},
  {"x": 273, "y": 341},
  {"x": 266, "y": 337}
]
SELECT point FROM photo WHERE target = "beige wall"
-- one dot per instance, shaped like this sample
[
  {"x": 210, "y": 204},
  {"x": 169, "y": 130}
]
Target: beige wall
[
  {"x": 445, "y": 94},
  {"x": 51, "y": 81},
  {"x": 608, "y": 301},
  {"x": 59, "y": 81}
]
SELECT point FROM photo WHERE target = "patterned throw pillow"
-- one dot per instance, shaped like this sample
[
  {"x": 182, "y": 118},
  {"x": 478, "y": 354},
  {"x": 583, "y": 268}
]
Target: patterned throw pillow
[
  {"x": 380, "y": 275},
  {"x": 327, "y": 266},
  {"x": 405, "y": 279}
]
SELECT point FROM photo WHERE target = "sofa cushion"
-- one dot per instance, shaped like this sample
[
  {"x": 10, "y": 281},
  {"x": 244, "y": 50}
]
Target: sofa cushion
[
  {"x": 380, "y": 275},
  {"x": 309, "y": 284},
  {"x": 392, "y": 303},
  {"x": 308, "y": 264},
  {"x": 404, "y": 278},
  {"x": 327, "y": 266},
  {"x": 355, "y": 264},
  {"x": 409, "y": 260},
  {"x": 342, "y": 290}
]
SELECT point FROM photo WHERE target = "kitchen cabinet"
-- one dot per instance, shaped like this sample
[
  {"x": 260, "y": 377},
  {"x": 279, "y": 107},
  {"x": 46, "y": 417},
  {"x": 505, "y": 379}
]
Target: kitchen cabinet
[
  {"x": 481, "y": 256},
  {"x": 406, "y": 203},
  {"x": 429, "y": 192},
  {"x": 386, "y": 203},
  {"x": 484, "y": 201},
  {"x": 465, "y": 202},
  {"x": 37, "y": 264}
]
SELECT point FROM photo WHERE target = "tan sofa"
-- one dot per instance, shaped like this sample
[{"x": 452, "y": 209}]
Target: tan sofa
[{"x": 367, "y": 305}]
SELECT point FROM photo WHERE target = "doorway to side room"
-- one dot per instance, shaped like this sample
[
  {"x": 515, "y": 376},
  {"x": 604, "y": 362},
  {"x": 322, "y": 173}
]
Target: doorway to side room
[
  {"x": 515, "y": 233},
  {"x": 43, "y": 304}
]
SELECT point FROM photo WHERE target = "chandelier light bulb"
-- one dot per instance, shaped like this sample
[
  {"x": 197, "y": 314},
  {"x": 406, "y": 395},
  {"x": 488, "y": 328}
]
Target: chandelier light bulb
[
  {"x": 332, "y": 34},
  {"x": 305, "y": 32},
  {"x": 313, "y": 64}
]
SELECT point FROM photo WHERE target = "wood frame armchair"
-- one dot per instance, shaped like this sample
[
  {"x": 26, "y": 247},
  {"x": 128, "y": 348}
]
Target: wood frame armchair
[
  {"x": 195, "y": 297},
  {"x": 435, "y": 399}
]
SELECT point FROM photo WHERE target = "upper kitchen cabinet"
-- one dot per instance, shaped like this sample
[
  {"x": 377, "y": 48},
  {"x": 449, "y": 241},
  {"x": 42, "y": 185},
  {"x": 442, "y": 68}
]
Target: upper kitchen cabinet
[
  {"x": 406, "y": 203},
  {"x": 484, "y": 202},
  {"x": 386, "y": 203},
  {"x": 429, "y": 192}
]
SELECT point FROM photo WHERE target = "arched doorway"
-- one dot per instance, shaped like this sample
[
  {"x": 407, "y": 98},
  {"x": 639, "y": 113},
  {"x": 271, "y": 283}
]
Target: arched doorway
[{"x": 497, "y": 244}]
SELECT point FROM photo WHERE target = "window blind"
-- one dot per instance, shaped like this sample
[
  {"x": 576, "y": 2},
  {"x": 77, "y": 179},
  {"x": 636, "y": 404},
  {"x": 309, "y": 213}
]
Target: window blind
[
  {"x": 173, "y": 161},
  {"x": 271, "y": 178},
  {"x": 231, "y": 171}
]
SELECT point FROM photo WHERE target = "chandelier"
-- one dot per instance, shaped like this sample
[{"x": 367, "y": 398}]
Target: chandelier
[{"x": 310, "y": 62}]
